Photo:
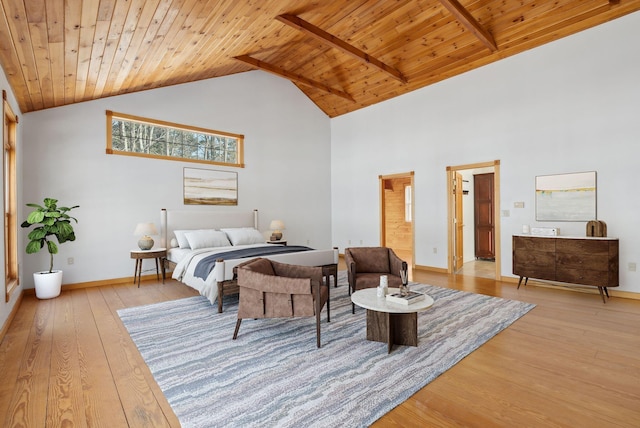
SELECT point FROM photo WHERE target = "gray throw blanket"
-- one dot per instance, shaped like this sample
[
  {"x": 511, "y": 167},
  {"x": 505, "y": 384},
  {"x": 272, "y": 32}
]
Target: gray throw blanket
[{"x": 206, "y": 265}]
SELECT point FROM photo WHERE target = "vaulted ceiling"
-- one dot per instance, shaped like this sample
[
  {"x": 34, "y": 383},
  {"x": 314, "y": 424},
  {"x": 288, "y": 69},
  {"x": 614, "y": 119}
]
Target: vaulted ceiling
[{"x": 343, "y": 54}]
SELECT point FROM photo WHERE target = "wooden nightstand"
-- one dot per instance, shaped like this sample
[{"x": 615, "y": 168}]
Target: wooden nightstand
[
  {"x": 281, "y": 242},
  {"x": 160, "y": 254}
]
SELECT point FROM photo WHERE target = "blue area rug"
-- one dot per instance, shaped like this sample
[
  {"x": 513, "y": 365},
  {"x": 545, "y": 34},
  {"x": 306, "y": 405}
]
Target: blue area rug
[{"x": 273, "y": 374}]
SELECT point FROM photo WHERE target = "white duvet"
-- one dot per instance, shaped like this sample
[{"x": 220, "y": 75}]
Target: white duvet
[
  {"x": 184, "y": 270},
  {"x": 221, "y": 272}
]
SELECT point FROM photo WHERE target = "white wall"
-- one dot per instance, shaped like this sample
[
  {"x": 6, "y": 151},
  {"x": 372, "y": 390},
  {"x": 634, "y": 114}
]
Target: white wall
[
  {"x": 7, "y": 307},
  {"x": 569, "y": 106},
  {"x": 287, "y": 173}
]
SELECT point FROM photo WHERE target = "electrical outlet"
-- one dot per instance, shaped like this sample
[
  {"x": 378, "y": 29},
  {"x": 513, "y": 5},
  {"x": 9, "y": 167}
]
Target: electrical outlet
[
  {"x": 70, "y": 261},
  {"x": 361, "y": 242},
  {"x": 632, "y": 267},
  {"x": 505, "y": 213},
  {"x": 349, "y": 241},
  {"x": 435, "y": 250}
]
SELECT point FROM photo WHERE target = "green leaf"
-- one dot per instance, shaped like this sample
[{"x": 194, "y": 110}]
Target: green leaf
[
  {"x": 52, "y": 247},
  {"x": 50, "y": 203},
  {"x": 34, "y": 247},
  {"x": 35, "y": 217},
  {"x": 36, "y": 234},
  {"x": 65, "y": 228}
]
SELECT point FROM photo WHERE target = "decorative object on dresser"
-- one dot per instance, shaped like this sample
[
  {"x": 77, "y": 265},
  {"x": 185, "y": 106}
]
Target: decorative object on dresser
[
  {"x": 144, "y": 230},
  {"x": 596, "y": 228},
  {"x": 584, "y": 261},
  {"x": 277, "y": 226}
]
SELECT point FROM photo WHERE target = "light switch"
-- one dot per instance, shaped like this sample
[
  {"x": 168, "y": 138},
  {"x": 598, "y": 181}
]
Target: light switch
[
  {"x": 505, "y": 213},
  {"x": 518, "y": 205}
]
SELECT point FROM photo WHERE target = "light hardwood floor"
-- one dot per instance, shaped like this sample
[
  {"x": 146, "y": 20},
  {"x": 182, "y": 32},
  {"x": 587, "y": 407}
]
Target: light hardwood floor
[
  {"x": 572, "y": 362},
  {"x": 478, "y": 268}
]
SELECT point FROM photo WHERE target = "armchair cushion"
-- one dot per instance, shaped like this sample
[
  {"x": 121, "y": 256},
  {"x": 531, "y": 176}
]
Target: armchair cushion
[{"x": 371, "y": 259}]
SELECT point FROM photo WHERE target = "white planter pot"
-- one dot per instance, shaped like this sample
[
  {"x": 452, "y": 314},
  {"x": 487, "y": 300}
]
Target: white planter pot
[{"x": 48, "y": 284}]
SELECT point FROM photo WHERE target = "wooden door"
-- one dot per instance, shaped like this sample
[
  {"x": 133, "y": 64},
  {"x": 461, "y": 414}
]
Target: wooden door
[
  {"x": 458, "y": 260},
  {"x": 484, "y": 214}
]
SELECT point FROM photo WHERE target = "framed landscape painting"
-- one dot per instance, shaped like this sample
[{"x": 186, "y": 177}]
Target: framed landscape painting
[
  {"x": 566, "y": 197},
  {"x": 210, "y": 187}
]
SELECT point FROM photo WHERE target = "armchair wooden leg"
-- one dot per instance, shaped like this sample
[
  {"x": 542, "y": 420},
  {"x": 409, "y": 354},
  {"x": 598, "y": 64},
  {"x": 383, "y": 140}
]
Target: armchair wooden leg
[
  {"x": 318, "y": 328},
  {"x": 329, "y": 302},
  {"x": 220, "y": 297},
  {"x": 235, "y": 333}
]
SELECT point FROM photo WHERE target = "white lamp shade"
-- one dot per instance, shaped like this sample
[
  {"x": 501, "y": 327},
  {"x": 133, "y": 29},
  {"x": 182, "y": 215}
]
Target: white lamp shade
[
  {"x": 276, "y": 225},
  {"x": 145, "y": 229}
]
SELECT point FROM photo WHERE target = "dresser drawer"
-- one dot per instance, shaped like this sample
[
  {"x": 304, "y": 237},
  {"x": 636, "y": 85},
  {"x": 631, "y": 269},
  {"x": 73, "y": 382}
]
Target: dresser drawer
[
  {"x": 583, "y": 246},
  {"x": 589, "y": 261},
  {"x": 534, "y": 264},
  {"x": 534, "y": 244},
  {"x": 598, "y": 278}
]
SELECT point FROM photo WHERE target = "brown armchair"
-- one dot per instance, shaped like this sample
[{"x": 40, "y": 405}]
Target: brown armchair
[
  {"x": 366, "y": 264},
  {"x": 269, "y": 289}
]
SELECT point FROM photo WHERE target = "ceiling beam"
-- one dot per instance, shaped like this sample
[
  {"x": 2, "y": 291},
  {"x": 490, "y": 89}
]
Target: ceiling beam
[
  {"x": 470, "y": 23},
  {"x": 323, "y": 36},
  {"x": 292, "y": 76}
]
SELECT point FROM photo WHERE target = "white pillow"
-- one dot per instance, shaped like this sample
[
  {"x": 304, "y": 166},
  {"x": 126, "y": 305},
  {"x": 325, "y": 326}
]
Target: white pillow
[
  {"x": 182, "y": 240},
  {"x": 207, "y": 239},
  {"x": 244, "y": 235}
]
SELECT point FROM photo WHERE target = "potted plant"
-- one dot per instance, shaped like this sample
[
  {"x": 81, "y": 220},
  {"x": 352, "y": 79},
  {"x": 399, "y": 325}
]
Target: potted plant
[{"x": 50, "y": 220}]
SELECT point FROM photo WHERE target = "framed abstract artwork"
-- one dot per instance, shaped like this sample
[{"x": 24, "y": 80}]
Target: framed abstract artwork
[
  {"x": 210, "y": 187},
  {"x": 566, "y": 197}
]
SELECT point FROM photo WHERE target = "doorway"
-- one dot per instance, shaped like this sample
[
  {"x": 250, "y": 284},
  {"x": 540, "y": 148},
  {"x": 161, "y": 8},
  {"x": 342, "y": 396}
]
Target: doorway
[
  {"x": 396, "y": 215},
  {"x": 474, "y": 237}
]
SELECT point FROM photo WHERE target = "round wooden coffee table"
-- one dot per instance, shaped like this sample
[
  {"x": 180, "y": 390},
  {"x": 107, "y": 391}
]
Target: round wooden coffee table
[{"x": 388, "y": 322}]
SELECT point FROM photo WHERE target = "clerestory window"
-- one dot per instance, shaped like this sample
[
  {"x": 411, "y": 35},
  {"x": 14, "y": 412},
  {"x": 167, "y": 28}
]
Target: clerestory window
[{"x": 138, "y": 136}]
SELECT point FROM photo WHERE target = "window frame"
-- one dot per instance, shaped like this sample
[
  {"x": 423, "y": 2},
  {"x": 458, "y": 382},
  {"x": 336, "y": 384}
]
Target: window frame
[
  {"x": 408, "y": 204},
  {"x": 127, "y": 117},
  {"x": 10, "y": 203}
]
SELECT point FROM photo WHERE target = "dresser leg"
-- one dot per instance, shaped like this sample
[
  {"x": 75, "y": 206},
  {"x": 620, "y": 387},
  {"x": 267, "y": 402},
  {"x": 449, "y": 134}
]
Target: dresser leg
[{"x": 602, "y": 294}]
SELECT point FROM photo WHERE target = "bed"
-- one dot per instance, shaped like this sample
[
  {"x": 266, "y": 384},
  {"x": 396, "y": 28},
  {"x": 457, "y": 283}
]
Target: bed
[{"x": 199, "y": 256}]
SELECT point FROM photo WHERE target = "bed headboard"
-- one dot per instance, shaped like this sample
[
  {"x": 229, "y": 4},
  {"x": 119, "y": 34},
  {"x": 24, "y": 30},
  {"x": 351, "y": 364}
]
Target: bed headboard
[{"x": 171, "y": 220}]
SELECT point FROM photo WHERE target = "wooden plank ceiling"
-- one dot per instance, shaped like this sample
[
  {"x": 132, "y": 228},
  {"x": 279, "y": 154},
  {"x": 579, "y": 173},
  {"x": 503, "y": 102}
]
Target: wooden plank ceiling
[{"x": 343, "y": 54}]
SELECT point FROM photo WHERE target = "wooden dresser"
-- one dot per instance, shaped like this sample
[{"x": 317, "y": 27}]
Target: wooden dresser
[{"x": 585, "y": 261}]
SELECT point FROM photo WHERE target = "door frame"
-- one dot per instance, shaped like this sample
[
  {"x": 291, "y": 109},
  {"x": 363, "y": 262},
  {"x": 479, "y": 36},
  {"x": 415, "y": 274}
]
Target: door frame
[
  {"x": 450, "y": 171},
  {"x": 381, "y": 179}
]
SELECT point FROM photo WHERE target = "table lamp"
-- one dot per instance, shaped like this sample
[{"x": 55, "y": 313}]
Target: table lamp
[
  {"x": 144, "y": 230},
  {"x": 276, "y": 226}
]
